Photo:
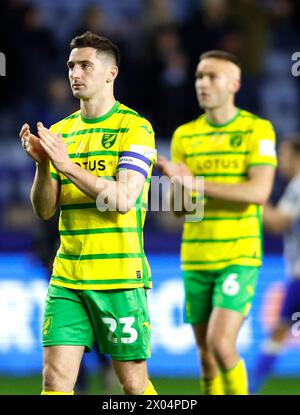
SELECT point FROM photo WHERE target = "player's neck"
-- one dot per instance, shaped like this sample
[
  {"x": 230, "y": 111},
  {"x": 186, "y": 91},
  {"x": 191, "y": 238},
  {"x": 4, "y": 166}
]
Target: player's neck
[
  {"x": 95, "y": 108},
  {"x": 221, "y": 115}
]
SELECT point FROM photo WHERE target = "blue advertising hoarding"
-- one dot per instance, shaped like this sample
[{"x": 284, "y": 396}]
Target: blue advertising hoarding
[{"x": 23, "y": 288}]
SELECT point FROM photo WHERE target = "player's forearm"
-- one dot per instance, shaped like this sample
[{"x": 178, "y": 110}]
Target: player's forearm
[
  {"x": 247, "y": 192},
  {"x": 43, "y": 195},
  {"x": 115, "y": 195}
]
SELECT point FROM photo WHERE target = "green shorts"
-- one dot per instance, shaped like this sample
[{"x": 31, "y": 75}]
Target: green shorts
[
  {"x": 117, "y": 319},
  {"x": 232, "y": 288}
]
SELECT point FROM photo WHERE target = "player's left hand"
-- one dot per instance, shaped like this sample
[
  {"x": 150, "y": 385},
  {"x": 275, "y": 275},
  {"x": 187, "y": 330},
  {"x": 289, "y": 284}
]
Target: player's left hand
[
  {"x": 55, "y": 147},
  {"x": 184, "y": 171},
  {"x": 167, "y": 167}
]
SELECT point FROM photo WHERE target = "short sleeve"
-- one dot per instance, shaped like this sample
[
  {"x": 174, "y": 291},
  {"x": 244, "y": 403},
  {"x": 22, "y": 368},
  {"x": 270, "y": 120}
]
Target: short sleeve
[
  {"x": 177, "y": 154},
  {"x": 262, "y": 147},
  {"x": 137, "y": 150}
]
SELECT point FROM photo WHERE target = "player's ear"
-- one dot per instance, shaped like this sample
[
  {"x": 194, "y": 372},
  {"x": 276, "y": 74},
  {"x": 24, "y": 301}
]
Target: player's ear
[
  {"x": 236, "y": 85},
  {"x": 112, "y": 74}
]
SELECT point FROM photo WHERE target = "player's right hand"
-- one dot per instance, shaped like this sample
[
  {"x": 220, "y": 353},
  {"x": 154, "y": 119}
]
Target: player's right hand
[
  {"x": 31, "y": 144},
  {"x": 167, "y": 167}
]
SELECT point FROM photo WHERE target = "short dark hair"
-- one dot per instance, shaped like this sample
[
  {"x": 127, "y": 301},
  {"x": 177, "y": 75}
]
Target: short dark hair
[
  {"x": 100, "y": 43},
  {"x": 222, "y": 55}
]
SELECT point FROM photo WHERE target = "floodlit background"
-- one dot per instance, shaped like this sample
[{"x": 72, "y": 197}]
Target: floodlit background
[{"x": 160, "y": 41}]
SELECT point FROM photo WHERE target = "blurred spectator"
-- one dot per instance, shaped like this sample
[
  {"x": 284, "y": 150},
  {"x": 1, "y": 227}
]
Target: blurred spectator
[
  {"x": 258, "y": 28},
  {"x": 278, "y": 94},
  {"x": 250, "y": 47},
  {"x": 94, "y": 20},
  {"x": 285, "y": 30},
  {"x": 253, "y": 36},
  {"x": 59, "y": 101},
  {"x": 296, "y": 15},
  {"x": 10, "y": 17},
  {"x": 158, "y": 13},
  {"x": 37, "y": 54},
  {"x": 206, "y": 28},
  {"x": 31, "y": 59},
  {"x": 166, "y": 83}
]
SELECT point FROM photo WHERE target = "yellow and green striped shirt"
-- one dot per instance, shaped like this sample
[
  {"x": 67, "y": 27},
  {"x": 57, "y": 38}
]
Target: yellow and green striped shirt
[
  {"x": 230, "y": 232},
  {"x": 103, "y": 250}
]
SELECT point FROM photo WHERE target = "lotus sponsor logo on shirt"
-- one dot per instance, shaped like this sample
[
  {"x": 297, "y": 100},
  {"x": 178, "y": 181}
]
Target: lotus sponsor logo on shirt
[
  {"x": 92, "y": 165},
  {"x": 108, "y": 140},
  {"x": 219, "y": 163}
]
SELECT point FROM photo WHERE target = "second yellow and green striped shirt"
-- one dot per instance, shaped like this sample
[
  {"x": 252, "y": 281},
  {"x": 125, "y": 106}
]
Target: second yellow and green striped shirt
[{"x": 230, "y": 232}]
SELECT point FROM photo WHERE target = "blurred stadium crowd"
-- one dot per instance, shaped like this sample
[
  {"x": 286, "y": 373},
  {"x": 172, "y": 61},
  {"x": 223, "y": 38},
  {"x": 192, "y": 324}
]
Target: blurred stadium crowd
[{"x": 160, "y": 41}]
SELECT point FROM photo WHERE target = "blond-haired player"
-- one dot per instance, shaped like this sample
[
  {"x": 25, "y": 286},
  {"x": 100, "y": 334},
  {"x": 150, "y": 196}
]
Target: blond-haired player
[{"x": 234, "y": 151}]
